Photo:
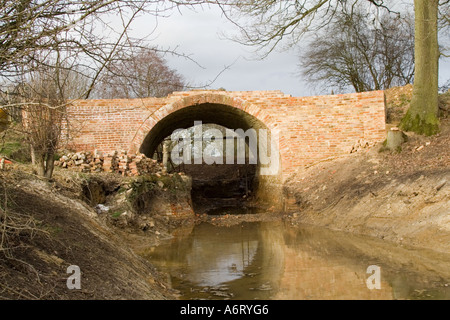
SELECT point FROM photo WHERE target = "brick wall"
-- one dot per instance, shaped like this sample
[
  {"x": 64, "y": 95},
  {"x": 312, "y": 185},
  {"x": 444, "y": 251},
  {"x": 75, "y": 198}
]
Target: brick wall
[{"x": 310, "y": 128}]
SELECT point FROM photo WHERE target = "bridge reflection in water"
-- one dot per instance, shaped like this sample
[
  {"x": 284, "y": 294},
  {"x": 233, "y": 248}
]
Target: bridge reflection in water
[{"x": 272, "y": 261}]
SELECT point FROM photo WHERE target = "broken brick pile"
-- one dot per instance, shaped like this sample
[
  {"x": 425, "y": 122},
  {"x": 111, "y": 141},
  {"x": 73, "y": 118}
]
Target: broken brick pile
[{"x": 119, "y": 162}]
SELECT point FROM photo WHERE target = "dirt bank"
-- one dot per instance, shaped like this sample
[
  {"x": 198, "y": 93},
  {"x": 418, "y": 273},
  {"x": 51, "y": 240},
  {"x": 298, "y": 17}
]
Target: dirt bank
[
  {"x": 398, "y": 196},
  {"x": 49, "y": 228}
]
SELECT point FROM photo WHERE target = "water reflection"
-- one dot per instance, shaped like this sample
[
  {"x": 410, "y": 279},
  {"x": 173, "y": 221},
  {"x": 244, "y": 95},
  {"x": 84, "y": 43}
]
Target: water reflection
[
  {"x": 213, "y": 257},
  {"x": 275, "y": 261}
]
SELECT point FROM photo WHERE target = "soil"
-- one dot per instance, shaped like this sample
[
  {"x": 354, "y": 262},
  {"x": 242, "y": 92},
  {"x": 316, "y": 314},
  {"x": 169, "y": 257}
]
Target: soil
[
  {"x": 398, "y": 196},
  {"x": 59, "y": 229}
]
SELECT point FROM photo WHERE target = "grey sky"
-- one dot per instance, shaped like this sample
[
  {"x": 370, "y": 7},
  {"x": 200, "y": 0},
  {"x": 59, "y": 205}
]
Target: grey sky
[{"x": 199, "y": 34}]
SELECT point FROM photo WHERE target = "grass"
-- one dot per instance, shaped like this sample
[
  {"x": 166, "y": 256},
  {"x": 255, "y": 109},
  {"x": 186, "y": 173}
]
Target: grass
[
  {"x": 116, "y": 214},
  {"x": 9, "y": 148},
  {"x": 53, "y": 230},
  {"x": 14, "y": 146}
]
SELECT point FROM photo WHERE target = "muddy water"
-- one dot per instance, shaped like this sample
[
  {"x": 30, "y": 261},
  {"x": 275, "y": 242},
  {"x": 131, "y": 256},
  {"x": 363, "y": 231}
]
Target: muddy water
[{"x": 271, "y": 260}]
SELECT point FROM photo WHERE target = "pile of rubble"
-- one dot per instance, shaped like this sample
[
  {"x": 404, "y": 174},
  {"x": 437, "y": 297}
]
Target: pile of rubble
[
  {"x": 83, "y": 161},
  {"x": 360, "y": 145},
  {"x": 120, "y": 162}
]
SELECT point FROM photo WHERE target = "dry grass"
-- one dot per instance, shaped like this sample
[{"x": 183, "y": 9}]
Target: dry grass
[{"x": 14, "y": 227}]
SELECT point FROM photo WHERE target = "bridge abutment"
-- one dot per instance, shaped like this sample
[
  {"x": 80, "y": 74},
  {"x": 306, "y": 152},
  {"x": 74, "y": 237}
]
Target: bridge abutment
[{"x": 308, "y": 129}]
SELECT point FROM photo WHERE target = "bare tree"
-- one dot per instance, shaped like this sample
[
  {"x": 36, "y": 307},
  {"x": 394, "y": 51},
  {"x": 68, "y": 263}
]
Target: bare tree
[
  {"x": 44, "y": 95},
  {"x": 139, "y": 74},
  {"x": 44, "y": 46},
  {"x": 266, "y": 24},
  {"x": 362, "y": 51},
  {"x": 41, "y": 41},
  {"x": 444, "y": 14},
  {"x": 29, "y": 27}
]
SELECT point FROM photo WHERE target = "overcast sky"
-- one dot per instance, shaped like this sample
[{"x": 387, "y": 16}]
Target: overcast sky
[{"x": 200, "y": 34}]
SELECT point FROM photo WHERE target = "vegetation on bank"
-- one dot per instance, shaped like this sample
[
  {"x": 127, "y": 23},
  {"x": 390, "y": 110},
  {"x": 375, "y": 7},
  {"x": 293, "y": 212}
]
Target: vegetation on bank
[{"x": 47, "y": 226}]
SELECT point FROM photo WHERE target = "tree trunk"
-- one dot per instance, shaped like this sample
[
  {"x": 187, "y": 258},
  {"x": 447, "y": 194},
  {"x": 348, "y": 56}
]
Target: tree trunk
[
  {"x": 45, "y": 165},
  {"x": 33, "y": 155},
  {"x": 40, "y": 164},
  {"x": 49, "y": 165},
  {"x": 422, "y": 116}
]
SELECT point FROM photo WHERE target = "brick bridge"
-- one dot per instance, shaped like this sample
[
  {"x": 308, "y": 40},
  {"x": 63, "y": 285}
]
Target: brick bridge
[{"x": 309, "y": 128}]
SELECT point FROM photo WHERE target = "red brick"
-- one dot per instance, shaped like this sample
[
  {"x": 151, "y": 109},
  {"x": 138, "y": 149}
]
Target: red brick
[{"x": 311, "y": 128}]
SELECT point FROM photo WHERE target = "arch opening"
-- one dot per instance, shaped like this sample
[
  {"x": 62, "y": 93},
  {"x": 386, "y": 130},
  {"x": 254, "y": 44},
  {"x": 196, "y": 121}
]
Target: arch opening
[{"x": 227, "y": 179}]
